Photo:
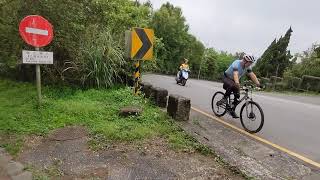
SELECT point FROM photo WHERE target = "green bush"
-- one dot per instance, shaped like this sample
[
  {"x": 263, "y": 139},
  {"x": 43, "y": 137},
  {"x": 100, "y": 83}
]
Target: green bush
[
  {"x": 292, "y": 83},
  {"x": 279, "y": 86},
  {"x": 310, "y": 83},
  {"x": 3, "y": 69},
  {"x": 296, "y": 82},
  {"x": 269, "y": 86},
  {"x": 77, "y": 60},
  {"x": 274, "y": 80},
  {"x": 101, "y": 61},
  {"x": 264, "y": 80}
]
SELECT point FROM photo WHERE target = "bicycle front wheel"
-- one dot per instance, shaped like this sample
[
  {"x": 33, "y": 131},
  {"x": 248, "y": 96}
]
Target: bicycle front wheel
[
  {"x": 217, "y": 104},
  {"x": 252, "y": 117}
]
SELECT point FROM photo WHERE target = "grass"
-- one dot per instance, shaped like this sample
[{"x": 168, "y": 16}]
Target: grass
[
  {"x": 46, "y": 174},
  {"x": 96, "y": 109}
]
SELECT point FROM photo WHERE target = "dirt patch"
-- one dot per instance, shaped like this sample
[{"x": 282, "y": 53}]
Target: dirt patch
[
  {"x": 151, "y": 159},
  {"x": 68, "y": 133}
]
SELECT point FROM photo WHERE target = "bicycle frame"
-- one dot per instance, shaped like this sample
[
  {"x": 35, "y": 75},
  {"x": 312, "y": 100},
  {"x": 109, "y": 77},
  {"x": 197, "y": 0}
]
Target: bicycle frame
[
  {"x": 253, "y": 115},
  {"x": 246, "y": 96}
]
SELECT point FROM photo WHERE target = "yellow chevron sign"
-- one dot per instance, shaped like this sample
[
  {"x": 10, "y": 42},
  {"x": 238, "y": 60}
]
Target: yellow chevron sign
[{"x": 142, "y": 44}]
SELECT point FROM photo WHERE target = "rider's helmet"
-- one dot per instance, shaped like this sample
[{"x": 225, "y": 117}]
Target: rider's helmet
[
  {"x": 185, "y": 60},
  {"x": 249, "y": 58}
]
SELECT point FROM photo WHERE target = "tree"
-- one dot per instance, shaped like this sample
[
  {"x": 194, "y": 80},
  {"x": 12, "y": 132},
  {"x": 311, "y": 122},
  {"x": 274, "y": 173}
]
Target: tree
[
  {"x": 72, "y": 21},
  {"x": 214, "y": 63},
  {"x": 224, "y": 61},
  {"x": 283, "y": 56},
  {"x": 276, "y": 58},
  {"x": 195, "y": 52},
  {"x": 309, "y": 65},
  {"x": 208, "y": 67},
  {"x": 264, "y": 66},
  {"x": 170, "y": 26}
]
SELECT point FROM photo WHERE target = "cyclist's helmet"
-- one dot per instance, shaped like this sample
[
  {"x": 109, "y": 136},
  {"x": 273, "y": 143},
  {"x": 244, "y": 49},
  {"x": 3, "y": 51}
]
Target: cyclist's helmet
[{"x": 249, "y": 58}]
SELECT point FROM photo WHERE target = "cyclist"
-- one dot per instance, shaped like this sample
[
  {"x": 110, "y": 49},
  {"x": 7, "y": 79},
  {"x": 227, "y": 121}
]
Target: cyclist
[{"x": 231, "y": 79}]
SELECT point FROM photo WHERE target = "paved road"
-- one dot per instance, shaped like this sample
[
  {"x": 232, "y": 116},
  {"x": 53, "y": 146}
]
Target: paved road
[{"x": 291, "y": 121}]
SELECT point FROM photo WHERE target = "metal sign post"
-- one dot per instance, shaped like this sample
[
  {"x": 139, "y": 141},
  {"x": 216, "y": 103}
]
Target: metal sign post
[
  {"x": 38, "y": 77},
  {"x": 139, "y": 46},
  {"x": 37, "y": 57},
  {"x": 38, "y": 32},
  {"x": 137, "y": 77}
]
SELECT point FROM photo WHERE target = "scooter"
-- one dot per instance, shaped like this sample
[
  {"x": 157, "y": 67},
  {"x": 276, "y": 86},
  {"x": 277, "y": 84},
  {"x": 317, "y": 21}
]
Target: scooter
[{"x": 182, "y": 76}]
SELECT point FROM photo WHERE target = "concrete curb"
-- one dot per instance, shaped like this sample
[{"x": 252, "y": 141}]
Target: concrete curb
[{"x": 178, "y": 107}]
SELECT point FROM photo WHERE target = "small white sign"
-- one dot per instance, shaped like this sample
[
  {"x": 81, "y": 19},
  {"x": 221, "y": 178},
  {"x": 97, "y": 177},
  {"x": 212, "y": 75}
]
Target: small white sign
[{"x": 37, "y": 57}]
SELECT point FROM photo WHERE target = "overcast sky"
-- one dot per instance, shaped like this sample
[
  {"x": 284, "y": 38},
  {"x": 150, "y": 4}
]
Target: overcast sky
[{"x": 250, "y": 25}]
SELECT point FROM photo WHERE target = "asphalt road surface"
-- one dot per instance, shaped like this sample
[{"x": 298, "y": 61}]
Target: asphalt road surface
[{"x": 291, "y": 121}]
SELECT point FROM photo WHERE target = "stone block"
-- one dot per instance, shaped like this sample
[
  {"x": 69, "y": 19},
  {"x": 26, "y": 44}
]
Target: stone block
[
  {"x": 159, "y": 96},
  {"x": 179, "y": 107}
]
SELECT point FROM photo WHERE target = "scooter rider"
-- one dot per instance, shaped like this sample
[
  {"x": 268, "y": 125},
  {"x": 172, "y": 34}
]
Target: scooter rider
[{"x": 184, "y": 65}]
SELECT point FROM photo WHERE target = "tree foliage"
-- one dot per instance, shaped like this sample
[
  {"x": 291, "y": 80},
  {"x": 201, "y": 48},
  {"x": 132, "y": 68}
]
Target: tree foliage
[
  {"x": 89, "y": 40},
  {"x": 208, "y": 66},
  {"x": 171, "y": 28},
  {"x": 309, "y": 65},
  {"x": 276, "y": 58},
  {"x": 72, "y": 47},
  {"x": 214, "y": 63}
]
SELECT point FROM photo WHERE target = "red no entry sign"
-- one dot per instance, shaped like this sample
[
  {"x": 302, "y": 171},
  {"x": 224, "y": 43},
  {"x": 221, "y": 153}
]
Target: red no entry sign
[{"x": 36, "y": 31}]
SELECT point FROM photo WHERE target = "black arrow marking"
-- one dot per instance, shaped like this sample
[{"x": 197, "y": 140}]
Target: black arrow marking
[{"x": 146, "y": 43}]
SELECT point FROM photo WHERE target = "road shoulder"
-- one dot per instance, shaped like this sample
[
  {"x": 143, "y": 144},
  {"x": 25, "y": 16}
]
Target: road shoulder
[{"x": 251, "y": 157}]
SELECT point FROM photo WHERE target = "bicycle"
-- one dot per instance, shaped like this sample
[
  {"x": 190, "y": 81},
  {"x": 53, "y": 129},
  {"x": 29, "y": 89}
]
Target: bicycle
[{"x": 250, "y": 107}]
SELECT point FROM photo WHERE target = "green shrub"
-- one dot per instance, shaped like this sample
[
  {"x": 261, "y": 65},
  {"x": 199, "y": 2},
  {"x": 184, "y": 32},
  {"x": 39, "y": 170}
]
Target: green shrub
[
  {"x": 310, "y": 83},
  {"x": 296, "y": 82},
  {"x": 274, "y": 80},
  {"x": 269, "y": 86},
  {"x": 292, "y": 83},
  {"x": 264, "y": 80},
  {"x": 103, "y": 59},
  {"x": 3, "y": 69},
  {"x": 279, "y": 86},
  {"x": 77, "y": 60}
]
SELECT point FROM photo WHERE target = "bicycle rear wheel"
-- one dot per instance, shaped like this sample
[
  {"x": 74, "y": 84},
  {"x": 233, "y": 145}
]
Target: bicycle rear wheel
[
  {"x": 251, "y": 117},
  {"x": 218, "y": 108}
]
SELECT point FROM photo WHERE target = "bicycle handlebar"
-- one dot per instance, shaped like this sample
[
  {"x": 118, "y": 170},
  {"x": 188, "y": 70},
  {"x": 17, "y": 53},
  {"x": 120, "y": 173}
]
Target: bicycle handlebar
[
  {"x": 246, "y": 86},
  {"x": 250, "y": 87}
]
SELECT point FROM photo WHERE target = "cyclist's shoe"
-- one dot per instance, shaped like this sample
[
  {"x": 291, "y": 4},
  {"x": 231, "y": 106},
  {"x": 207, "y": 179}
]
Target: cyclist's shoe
[{"x": 233, "y": 114}]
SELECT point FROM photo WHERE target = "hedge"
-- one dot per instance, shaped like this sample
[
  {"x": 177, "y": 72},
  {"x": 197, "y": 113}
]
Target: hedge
[{"x": 310, "y": 83}]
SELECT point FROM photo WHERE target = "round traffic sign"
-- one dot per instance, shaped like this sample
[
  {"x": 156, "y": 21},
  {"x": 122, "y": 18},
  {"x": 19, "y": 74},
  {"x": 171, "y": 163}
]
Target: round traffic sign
[{"x": 36, "y": 31}]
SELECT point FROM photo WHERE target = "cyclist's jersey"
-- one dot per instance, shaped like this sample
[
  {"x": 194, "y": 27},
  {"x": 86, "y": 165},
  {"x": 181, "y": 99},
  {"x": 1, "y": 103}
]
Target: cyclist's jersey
[{"x": 236, "y": 66}]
